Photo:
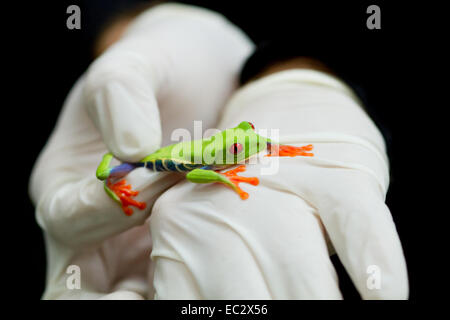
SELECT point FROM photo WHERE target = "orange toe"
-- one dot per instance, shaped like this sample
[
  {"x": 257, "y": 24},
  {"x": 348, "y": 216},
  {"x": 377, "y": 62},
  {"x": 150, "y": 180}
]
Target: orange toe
[
  {"x": 126, "y": 195},
  {"x": 235, "y": 180}
]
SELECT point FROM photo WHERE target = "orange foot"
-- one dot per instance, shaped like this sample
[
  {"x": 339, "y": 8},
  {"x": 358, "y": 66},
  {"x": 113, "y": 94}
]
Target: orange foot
[
  {"x": 232, "y": 176},
  {"x": 126, "y": 195},
  {"x": 289, "y": 151}
]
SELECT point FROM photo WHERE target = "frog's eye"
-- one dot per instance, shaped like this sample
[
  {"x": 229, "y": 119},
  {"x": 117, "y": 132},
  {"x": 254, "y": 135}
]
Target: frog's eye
[
  {"x": 235, "y": 148},
  {"x": 251, "y": 124}
]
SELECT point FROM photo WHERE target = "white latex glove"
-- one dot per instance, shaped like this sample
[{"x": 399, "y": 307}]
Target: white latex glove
[
  {"x": 175, "y": 64},
  {"x": 208, "y": 243}
]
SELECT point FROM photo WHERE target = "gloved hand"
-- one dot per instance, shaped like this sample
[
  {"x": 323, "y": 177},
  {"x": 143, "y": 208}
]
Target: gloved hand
[
  {"x": 174, "y": 64},
  {"x": 208, "y": 243}
]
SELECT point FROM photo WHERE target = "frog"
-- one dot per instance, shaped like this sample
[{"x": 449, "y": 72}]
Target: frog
[{"x": 201, "y": 161}]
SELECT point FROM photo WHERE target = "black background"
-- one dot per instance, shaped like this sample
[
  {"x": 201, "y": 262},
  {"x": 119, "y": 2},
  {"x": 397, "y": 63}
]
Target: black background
[{"x": 53, "y": 57}]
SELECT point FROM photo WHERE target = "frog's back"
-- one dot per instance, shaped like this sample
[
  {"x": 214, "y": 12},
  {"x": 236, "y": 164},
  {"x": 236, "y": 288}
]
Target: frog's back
[{"x": 165, "y": 159}]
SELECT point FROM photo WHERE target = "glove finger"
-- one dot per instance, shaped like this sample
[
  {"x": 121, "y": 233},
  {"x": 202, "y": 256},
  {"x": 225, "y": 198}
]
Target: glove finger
[
  {"x": 267, "y": 247},
  {"x": 363, "y": 233},
  {"x": 121, "y": 101},
  {"x": 171, "y": 56}
]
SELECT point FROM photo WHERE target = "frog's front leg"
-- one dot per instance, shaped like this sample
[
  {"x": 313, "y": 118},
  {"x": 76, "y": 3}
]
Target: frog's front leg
[
  {"x": 116, "y": 188},
  {"x": 280, "y": 150},
  {"x": 229, "y": 178}
]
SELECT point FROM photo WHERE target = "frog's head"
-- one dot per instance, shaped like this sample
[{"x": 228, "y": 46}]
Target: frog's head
[{"x": 237, "y": 144}]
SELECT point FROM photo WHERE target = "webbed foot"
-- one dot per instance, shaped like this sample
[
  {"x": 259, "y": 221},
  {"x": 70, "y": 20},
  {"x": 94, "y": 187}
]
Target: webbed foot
[
  {"x": 124, "y": 194},
  {"x": 232, "y": 176},
  {"x": 276, "y": 150}
]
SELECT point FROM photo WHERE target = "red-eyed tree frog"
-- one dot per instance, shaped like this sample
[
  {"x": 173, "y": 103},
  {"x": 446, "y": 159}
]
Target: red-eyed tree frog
[{"x": 201, "y": 161}]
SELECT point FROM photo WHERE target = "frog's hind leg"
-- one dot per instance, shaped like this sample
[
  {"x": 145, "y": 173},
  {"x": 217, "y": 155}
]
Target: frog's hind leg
[
  {"x": 122, "y": 191},
  {"x": 116, "y": 188}
]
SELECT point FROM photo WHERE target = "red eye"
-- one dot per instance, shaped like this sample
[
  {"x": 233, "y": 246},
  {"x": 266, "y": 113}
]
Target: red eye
[
  {"x": 253, "y": 127},
  {"x": 235, "y": 148}
]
